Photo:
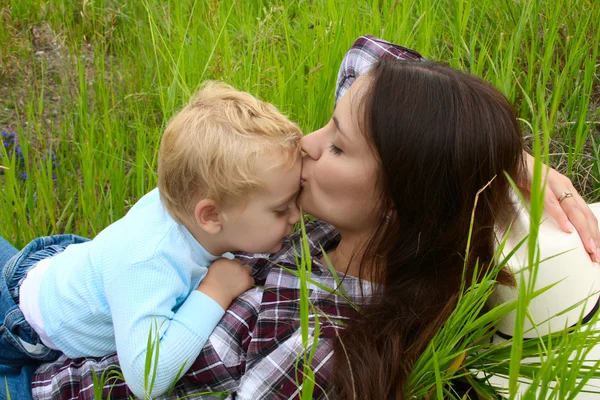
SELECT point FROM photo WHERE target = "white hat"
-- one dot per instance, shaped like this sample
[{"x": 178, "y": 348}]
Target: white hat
[{"x": 563, "y": 260}]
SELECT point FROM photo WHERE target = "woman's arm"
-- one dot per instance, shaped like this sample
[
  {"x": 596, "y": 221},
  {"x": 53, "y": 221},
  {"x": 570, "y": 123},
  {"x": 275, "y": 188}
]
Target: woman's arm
[{"x": 572, "y": 212}]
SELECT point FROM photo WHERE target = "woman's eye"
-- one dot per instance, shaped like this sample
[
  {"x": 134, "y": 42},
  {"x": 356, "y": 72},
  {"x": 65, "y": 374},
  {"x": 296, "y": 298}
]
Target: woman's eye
[{"x": 334, "y": 149}]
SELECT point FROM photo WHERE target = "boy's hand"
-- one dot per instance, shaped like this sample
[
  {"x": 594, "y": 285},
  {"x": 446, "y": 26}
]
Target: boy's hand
[{"x": 226, "y": 280}]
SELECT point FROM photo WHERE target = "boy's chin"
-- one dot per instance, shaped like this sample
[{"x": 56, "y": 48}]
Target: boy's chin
[{"x": 275, "y": 249}]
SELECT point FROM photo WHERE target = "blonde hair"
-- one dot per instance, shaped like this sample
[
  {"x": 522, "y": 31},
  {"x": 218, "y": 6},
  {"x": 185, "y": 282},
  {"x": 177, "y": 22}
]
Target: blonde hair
[{"x": 211, "y": 147}]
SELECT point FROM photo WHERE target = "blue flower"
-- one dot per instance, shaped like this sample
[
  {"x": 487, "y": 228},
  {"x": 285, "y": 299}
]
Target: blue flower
[
  {"x": 51, "y": 154},
  {"x": 10, "y": 141},
  {"x": 19, "y": 154}
]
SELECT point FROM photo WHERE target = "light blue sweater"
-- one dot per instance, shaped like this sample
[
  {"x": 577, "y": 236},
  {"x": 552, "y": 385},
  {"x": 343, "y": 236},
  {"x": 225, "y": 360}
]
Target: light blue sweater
[{"x": 104, "y": 295}]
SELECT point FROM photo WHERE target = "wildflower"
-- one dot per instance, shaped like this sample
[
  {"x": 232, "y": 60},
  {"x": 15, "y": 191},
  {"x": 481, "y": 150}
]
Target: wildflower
[
  {"x": 52, "y": 155},
  {"x": 8, "y": 139},
  {"x": 11, "y": 144},
  {"x": 19, "y": 154}
]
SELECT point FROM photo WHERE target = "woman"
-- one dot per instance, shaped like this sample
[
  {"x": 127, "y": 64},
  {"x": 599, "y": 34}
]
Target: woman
[{"x": 399, "y": 184}]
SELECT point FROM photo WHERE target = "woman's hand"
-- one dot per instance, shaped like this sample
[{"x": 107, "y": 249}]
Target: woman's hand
[{"x": 572, "y": 213}]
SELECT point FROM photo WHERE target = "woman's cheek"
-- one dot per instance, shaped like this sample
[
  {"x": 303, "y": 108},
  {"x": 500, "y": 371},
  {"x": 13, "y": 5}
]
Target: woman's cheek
[{"x": 328, "y": 173}]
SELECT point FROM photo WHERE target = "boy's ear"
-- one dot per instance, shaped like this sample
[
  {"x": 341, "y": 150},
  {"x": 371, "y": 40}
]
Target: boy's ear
[{"x": 206, "y": 214}]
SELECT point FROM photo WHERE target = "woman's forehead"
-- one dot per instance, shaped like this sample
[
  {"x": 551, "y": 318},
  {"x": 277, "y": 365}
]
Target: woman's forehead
[{"x": 347, "y": 114}]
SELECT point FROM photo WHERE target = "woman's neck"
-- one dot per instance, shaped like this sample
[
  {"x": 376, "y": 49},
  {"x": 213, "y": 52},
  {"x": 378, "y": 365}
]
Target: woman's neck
[{"x": 347, "y": 257}]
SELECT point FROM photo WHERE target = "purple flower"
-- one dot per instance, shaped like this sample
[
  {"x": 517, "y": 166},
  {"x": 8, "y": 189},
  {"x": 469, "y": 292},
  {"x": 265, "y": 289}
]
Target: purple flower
[
  {"x": 51, "y": 154},
  {"x": 19, "y": 154},
  {"x": 8, "y": 138},
  {"x": 10, "y": 141}
]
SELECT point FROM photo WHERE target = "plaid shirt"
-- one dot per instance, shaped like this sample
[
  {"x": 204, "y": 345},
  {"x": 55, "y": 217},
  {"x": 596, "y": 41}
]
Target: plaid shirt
[{"x": 256, "y": 350}]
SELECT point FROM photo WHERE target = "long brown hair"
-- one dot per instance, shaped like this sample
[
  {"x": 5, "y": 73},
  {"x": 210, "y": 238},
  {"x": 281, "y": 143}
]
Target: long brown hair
[{"x": 441, "y": 135}]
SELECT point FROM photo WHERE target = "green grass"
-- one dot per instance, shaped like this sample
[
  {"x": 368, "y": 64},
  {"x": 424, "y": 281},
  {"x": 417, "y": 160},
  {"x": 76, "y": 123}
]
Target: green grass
[{"x": 95, "y": 82}]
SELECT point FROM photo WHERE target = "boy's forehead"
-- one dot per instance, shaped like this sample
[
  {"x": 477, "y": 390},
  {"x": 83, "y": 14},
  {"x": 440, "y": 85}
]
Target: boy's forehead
[{"x": 281, "y": 182}]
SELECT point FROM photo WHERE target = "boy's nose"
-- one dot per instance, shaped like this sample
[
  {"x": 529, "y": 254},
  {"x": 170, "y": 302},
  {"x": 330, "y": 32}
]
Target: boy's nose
[{"x": 294, "y": 215}]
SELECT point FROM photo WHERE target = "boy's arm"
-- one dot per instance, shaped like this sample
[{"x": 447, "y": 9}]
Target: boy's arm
[
  {"x": 141, "y": 301},
  {"x": 218, "y": 368}
]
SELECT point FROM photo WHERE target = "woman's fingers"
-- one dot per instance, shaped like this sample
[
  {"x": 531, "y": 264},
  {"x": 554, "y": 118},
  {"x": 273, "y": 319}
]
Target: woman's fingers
[
  {"x": 563, "y": 201},
  {"x": 566, "y": 206},
  {"x": 592, "y": 221},
  {"x": 552, "y": 206}
]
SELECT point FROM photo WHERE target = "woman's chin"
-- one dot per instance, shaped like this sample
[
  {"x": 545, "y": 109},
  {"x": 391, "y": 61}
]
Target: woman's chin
[
  {"x": 305, "y": 203},
  {"x": 309, "y": 206}
]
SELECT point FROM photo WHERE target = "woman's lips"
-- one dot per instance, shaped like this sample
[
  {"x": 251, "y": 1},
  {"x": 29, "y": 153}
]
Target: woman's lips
[{"x": 302, "y": 181}]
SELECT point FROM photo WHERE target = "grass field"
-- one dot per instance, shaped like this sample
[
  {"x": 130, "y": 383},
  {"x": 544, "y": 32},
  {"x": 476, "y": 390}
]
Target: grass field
[
  {"x": 87, "y": 87},
  {"x": 93, "y": 82}
]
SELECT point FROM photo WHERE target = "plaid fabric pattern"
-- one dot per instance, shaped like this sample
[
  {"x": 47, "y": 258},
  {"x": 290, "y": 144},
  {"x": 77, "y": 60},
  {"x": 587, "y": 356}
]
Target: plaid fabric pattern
[
  {"x": 256, "y": 350},
  {"x": 365, "y": 52}
]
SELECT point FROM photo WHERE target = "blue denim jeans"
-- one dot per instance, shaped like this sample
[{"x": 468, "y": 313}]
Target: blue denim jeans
[
  {"x": 7, "y": 251},
  {"x": 21, "y": 350}
]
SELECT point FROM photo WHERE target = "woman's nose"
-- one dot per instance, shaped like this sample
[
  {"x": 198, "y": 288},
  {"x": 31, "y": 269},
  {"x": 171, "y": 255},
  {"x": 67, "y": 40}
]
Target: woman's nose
[{"x": 312, "y": 144}]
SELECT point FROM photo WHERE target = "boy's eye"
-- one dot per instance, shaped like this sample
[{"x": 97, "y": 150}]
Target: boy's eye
[
  {"x": 281, "y": 213},
  {"x": 334, "y": 149}
]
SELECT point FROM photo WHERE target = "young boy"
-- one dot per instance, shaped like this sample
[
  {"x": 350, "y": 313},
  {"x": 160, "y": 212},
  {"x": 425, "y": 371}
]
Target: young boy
[{"x": 228, "y": 176}]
